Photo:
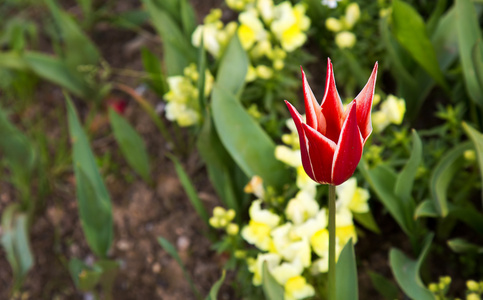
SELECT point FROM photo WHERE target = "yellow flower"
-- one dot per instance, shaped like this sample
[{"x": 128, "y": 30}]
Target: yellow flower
[
  {"x": 333, "y": 24},
  {"x": 287, "y": 270},
  {"x": 289, "y": 25},
  {"x": 345, "y": 39},
  {"x": 352, "y": 14},
  {"x": 345, "y": 228},
  {"x": 257, "y": 232},
  {"x": 311, "y": 226},
  {"x": 264, "y": 72},
  {"x": 473, "y": 296},
  {"x": 262, "y": 48},
  {"x": 472, "y": 285},
  {"x": 251, "y": 74},
  {"x": 352, "y": 197},
  {"x": 392, "y": 110},
  {"x": 251, "y": 29},
  {"x": 320, "y": 242},
  {"x": 255, "y": 266},
  {"x": 298, "y": 288},
  {"x": 182, "y": 114}
]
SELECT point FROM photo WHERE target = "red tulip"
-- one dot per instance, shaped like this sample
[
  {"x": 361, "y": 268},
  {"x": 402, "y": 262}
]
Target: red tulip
[{"x": 332, "y": 139}]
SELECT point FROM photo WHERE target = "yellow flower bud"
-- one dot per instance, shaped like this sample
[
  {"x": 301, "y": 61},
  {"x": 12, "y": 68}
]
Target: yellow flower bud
[
  {"x": 433, "y": 287},
  {"x": 264, "y": 72},
  {"x": 219, "y": 212},
  {"x": 230, "y": 215},
  {"x": 469, "y": 155},
  {"x": 333, "y": 24},
  {"x": 472, "y": 285},
  {"x": 232, "y": 229},
  {"x": 352, "y": 14},
  {"x": 473, "y": 296},
  {"x": 345, "y": 39},
  {"x": 214, "y": 222}
]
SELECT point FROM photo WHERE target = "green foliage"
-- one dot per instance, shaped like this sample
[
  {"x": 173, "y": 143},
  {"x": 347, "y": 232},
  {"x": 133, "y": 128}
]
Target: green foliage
[
  {"x": 15, "y": 242},
  {"x": 406, "y": 271},
  {"x": 168, "y": 247},
  {"x": 271, "y": 288},
  {"x": 346, "y": 275},
  {"x": 94, "y": 201},
  {"x": 410, "y": 30},
  {"x": 131, "y": 144}
]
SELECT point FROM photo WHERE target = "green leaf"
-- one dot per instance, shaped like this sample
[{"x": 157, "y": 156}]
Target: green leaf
[
  {"x": 13, "y": 60},
  {"x": 55, "y": 70},
  {"x": 425, "y": 209},
  {"x": 110, "y": 269},
  {"x": 15, "y": 241},
  {"x": 469, "y": 33},
  {"x": 220, "y": 165},
  {"x": 445, "y": 39},
  {"x": 168, "y": 247},
  {"x": 406, "y": 272},
  {"x": 477, "y": 139},
  {"x": 468, "y": 215},
  {"x": 384, "y": 286},
  {"x": 382, "y": 180},
  {"x": 477, "y": 55},
  {"x": 367, "y": 220},
  {"x": 189, "y": 189},
  {"x": 19, "y": 155},
  {"x": 346, "y": 274},
  {"x": 410, "y": 31},
  {"x": 188, "y": 18},
  {"x": 202, "y": 74},
  {"x": 216, "y": 287},
  {"x": 94, "y": 201},
  {"x": 85, "y": 277},
  {"x": 233, "y": 67},
  {"x": 271, "y": 288},
  {"x": 405, "y": 179},
  {"x": 132, "y": 145},
  {"x": 178, "y": 51},
  {"x": 79, "y": 49},
  {"x": 248, "y": 144},
  {"x": 152, "y": 65},
  {"x": 443, "y": 174},
  {"x": 460, "y": 245}
]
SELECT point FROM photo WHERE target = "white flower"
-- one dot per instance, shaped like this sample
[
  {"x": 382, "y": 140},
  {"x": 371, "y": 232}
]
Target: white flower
[
  {"x": 251, "y": 28},
  {"x": 256, "y": 267},
  {"x": 352, "y": 14},
  {"x": 289, "y": 25},
  {"x": 301, "y": 208},
  {"x": 330, "y": 3},
  {"x": 265, "y": 7},
  {"x": 288, "y": 156},
  {"x": 287, "y": 270},
  {"x": 210, "y": 38}
]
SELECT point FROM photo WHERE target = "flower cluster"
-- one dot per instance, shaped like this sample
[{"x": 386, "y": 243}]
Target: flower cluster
[
  {"x": 391, "y": 111},
  {"x": 297, "y": 242},
  {"x": 344, "y": 37},
  {"x": 440, "y": 289},
  {"x": 182, "y": 98},
  {"x": 222, "y": 219},
  {"x": 266, "y": 31}
]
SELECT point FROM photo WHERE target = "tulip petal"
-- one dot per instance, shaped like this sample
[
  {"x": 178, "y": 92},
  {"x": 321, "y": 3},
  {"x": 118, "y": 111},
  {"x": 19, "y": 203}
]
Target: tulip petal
[
  {"x": 297, "y": 118},
  {"x": 349, "y": 148},
  {"x": 332, "y": 106},
  {"x": 321, "y": 151},
  {"x": 364, "y": 105},
  {"x": 314, "y": 117}
]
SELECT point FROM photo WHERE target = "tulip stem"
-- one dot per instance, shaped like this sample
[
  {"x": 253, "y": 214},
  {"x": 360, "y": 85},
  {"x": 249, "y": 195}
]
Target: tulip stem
[{"x": 332, "y": 285}]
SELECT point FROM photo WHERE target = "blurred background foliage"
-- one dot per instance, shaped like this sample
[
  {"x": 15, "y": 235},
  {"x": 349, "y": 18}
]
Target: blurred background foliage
[{"x": 216, "y": 88}]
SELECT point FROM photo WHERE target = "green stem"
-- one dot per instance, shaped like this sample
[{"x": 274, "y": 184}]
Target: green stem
[{"x": 332, "y": 286}]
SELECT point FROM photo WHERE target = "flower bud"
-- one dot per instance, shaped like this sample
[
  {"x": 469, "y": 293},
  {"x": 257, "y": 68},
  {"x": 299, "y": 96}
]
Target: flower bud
[{"x": 345, "y": 39}]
